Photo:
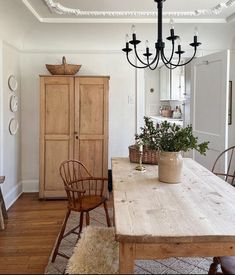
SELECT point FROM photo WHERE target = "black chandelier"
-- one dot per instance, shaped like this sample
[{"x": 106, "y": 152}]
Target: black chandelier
[{"x": 159, "y": 46}]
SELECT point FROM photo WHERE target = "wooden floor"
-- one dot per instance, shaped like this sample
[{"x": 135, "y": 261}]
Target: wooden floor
[{"x": 30, "y": 234}]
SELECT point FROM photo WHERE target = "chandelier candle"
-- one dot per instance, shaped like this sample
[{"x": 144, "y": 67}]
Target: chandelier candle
[{"x": 159, "y": 47}]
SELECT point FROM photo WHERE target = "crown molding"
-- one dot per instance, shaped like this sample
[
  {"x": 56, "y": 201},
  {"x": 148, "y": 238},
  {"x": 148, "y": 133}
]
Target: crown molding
[
  {"x": 130, "y": 21},
  {"x": 141, "y": 17},
  {"x": 56, "y": 7},
  {"x": 33, "y": 11},
  {"x": 231, "y": 18}
]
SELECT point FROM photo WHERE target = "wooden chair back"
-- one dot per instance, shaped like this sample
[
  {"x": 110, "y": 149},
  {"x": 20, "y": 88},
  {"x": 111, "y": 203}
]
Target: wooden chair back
[
  {"x": 79, "y": 183},
  {"x": 229, "y": 174}
]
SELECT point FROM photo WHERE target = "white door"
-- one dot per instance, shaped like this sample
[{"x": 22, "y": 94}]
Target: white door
[{"x": 209, "y": 105}]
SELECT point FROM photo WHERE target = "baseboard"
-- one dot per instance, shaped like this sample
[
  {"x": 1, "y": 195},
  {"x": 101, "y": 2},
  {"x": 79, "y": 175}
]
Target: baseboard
[
  {"x": 13, "y": 195},
  {"x": 30, "y": 186}
]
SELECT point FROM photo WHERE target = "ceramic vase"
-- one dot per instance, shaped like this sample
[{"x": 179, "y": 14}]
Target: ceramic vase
[{"x": 170, "y": 167}]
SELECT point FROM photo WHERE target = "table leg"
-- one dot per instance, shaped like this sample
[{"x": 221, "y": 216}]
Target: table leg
[{"x": 126, "y": 258}]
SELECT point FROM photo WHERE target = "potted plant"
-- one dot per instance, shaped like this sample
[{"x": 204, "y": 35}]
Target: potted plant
[
  {"x": 171, "y": 141},
  {"x": 145, "y": 142}
]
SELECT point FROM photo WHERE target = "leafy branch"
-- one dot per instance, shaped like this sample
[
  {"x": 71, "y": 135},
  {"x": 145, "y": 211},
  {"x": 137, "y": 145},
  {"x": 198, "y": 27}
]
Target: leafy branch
[{"x": 169, "y": 138}]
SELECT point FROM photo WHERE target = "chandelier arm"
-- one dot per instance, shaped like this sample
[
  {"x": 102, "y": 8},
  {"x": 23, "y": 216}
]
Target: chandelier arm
[
  {"x": 136, "y": 53},
  {"x": 154, "y": 60},
  {"x": 170, "y": 67},
  {"x": 183, "y": 64},
  {"x": 167, "y": 62},
  {"x": 137, "y": 67},
  {"x": 156, "y": 64},
  {"x": 172, "y": 54},
  {"x": 195, "y": 51}
]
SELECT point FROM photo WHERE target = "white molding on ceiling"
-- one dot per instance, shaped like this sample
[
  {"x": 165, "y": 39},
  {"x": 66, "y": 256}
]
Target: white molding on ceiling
[
  {"x": 56, "y": 7},
  {"x": 115, "y": 19},
  {"x": 131, "y": 21},
  {"x": 231, "y": 18},
  {"x": 34, "y": 12}
]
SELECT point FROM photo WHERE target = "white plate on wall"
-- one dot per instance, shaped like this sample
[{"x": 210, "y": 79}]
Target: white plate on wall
[
  {"x": 13, "y": 126},
  {"x": 13, "y": 103},
  {"x": 12, "y": 83}
]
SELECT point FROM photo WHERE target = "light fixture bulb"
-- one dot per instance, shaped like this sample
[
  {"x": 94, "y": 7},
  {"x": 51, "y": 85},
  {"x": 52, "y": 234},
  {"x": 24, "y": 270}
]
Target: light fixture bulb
[
  {"x": 172, "y": 23},
  {"x": 196, "y": 31},
  {"x": 127, "y": 38},
  {"x": 147, "y": 43},
  {"x": 133, "y": 29}
]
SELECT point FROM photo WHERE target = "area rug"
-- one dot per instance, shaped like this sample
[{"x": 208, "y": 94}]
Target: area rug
[{"x": 167, "y": 266}]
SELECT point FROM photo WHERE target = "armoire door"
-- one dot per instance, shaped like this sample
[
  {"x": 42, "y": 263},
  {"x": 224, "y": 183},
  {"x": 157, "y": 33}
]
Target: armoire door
[
  {"x": 56, "y": 133},
  {"x": 91, "y": 124}
]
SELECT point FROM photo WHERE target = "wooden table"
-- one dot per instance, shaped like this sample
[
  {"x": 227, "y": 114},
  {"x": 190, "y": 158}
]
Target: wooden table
[{"x": 155, "y": 220}]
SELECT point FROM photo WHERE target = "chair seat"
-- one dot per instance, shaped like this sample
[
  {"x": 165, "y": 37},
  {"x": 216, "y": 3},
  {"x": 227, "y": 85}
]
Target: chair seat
[
  {"x": 228, "y": 264},
  {"x": 88, "y": 203}
]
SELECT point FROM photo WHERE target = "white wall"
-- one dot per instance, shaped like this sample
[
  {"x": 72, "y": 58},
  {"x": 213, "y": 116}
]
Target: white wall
[
  {"x": 15, "y": 22},
  {"x": 49, "y": 37},
  {"x": 10, "y": 145}
]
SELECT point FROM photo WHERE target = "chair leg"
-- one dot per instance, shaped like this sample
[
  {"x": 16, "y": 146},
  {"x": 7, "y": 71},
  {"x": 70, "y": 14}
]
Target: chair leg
[
  {"x": 214, "y": 266},
  {"x": 80, "y": 224},
  {"x": 61, "y": 235},
  {"x": 107, "y": 214},
  {"x": 87, "y": 218}
]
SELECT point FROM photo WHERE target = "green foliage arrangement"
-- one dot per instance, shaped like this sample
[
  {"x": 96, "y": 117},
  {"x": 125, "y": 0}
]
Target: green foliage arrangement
[
  {"x": 169, "y": 138},
  {"x": 173, "y": 138},
  {"x": 148, "y": 135}
]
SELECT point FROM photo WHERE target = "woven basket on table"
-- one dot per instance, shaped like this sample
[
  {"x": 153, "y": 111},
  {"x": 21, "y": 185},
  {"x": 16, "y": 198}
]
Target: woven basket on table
[{"x": 149, "y": 156}]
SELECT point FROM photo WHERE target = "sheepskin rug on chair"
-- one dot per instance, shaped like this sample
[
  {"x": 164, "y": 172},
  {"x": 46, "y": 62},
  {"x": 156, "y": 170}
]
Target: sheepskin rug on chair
[{"x": 95, "y": 253}]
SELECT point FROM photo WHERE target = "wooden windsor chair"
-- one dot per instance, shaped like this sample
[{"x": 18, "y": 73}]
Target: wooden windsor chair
[
  {"x": 227, "y": 263},
  {"x": 84, "y": 193}
]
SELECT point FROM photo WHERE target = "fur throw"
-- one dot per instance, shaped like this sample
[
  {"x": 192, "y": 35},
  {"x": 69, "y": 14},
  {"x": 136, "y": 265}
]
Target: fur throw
[{"x": 95, "y": 253}]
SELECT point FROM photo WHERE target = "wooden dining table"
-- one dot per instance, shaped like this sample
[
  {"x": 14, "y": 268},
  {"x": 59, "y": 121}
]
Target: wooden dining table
[{"x": 156, "y": 220}]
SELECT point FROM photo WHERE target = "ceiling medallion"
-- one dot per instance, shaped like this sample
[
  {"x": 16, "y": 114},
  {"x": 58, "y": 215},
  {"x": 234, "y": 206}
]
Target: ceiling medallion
[
  {"x": 151, "y": 61},
  {"x": 60, "y": 9}
]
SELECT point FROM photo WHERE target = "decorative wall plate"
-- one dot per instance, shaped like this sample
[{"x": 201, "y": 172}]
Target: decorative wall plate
[
  {"x": 12, "y": 83},
  {"x": 13, "y": 126},
  {"x": 14, "y": 103}
]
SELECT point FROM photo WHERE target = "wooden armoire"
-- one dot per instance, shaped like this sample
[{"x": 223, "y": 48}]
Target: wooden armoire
[{"x": 73, "y": 125}]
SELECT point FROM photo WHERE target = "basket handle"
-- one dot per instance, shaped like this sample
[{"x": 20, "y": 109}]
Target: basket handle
[{"x": 63, "y": 60}]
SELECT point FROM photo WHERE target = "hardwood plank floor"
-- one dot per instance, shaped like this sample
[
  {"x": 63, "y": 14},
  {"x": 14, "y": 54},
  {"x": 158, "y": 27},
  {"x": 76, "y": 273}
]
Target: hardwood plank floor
[{"x": 30, "y": 234}]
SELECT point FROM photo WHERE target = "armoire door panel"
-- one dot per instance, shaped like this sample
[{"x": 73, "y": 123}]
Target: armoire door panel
[
  {"x": 91, "y": 111},
  {"x": 56, "y": 151},
  {"x": 91, "y": 154},
  {"x": 57, "y": 115},
  {"x": 56, "y": 132}
]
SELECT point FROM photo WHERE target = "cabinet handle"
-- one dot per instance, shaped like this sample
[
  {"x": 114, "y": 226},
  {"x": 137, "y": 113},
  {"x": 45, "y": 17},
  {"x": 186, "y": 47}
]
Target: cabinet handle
[
  {"x": 75, "y": 133},
  {"x": 76, "y": 137}
]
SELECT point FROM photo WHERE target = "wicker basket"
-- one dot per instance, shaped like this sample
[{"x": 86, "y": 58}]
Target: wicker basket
[
  {"x": 149, "y": 156},
  {"x": 64, "y": 68}
]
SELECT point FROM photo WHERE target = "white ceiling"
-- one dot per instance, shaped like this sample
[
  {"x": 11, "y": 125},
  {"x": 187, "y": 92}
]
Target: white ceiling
[{"x": 44, "y": 14}]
